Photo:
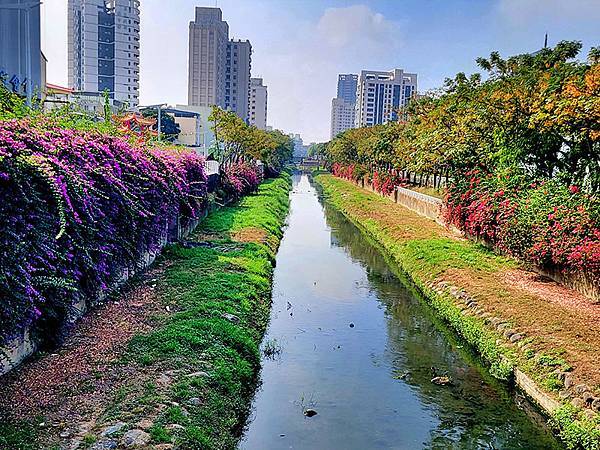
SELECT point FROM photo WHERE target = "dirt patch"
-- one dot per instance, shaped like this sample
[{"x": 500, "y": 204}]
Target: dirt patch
[
  {"x": 71, "y": 387},
  {"x": 250, "y": 234},
  {"x": 555, "y": 317}
]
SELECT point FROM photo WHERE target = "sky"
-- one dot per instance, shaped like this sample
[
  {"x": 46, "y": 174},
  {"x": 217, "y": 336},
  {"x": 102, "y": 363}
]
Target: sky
[{"x": 300, "y": 46}]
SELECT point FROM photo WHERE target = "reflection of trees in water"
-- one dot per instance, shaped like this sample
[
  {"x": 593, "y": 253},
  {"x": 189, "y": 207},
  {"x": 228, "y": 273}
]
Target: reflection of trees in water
[{"x": 476, "y": 411}]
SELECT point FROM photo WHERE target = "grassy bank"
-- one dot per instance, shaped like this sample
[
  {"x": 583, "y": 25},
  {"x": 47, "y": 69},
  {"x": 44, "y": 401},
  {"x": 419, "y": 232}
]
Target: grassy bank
[
  {"x": 510, "y": 321},
  {"x": 187, "y": 379}
]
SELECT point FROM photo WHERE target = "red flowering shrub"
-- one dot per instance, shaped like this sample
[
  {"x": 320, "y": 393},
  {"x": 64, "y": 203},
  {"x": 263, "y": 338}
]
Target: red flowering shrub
[
  {"x": 76, "y": 208},
  {"x": 545, "y": 223},
  {"x": 240, "y": 178}
]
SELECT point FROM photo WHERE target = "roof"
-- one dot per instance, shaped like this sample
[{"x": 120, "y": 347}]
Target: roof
[{"x": 59, "y": 89}]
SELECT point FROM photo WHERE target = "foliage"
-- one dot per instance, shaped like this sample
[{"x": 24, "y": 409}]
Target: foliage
[
  {"x": 521, "y": 149},
  {"x": 545, "y": 222},
  {"x": 240, "y": 178},
  {"x": 77, "y": 208},
  {"x": 576, "y": 432},
  {"x": 237, "y": 141}
]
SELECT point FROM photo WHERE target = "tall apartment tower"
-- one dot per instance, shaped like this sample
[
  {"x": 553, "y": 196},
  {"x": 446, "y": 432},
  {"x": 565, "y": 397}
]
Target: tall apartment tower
[
  {"x": 237, "y": 77},
  {"x": 343, "y": 106},
  {"x": 381, "y": 95},
  {"x": 346, "y": 87},
  {"x": 258, "y": 104},
  {"x": 208, "y": 40},
  {"x": 104, "y": 47}
]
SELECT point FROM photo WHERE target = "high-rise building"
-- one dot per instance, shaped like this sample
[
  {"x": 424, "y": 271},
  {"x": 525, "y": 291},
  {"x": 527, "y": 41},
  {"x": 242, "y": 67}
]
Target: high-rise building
[
  {"x": 343, "y": 106},
  {"x": 104, "y": 47},
  {"x": 346, "y": 87},
  {"x": 22, "y": 64},
  {"x": 258, "y": 104},
  {"x": 342, "y": 116},
  {"x": 208, "y": 39},
  {"x": 380, "y": 96},
  {"x": 237, "y": 77}
]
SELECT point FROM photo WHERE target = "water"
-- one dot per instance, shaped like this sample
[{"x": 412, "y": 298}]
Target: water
[{"x": 371, "y": 383}]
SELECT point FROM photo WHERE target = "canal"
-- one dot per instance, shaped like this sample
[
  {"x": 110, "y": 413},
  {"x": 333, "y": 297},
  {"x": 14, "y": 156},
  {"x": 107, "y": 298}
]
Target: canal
[{"x": 352, "y": 343}]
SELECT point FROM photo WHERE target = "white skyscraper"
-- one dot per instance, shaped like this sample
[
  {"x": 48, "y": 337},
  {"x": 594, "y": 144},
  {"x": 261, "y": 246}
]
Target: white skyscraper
[
  {"x": 342, "y": 116},
  {"x": 208, "y": 41},
  {"x": 343, "y": 106},
  {"x": 381, "y": 95},
  {"x": 258, "y": 104},
  {"x": 104, "y": 47}
]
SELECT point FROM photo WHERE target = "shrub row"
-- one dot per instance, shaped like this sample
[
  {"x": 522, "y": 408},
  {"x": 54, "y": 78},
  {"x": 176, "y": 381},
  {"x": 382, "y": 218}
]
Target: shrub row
[
  {"x": 240, "y": 178},
  {"x": 543, "y": 222},
  {"x": 76, "y": 208}
]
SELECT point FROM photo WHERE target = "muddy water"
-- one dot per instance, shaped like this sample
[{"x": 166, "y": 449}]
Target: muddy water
[{"x": 352, "y": 342}]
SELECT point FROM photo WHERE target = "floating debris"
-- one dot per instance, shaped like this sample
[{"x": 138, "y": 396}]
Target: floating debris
[
  {"x": 441, "y": 381},
  {"x": 351, "y": 325},
  {"x": 310, "y": 412}
]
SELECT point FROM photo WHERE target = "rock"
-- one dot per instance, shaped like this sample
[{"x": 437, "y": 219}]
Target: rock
[
  {"x": 564, "y": 394},
  {"x": 113, "y": 429},
  {"x": 581, "y": 388},
  {"x": 578, "y": 403},
  {"x": 568, "y": 381},
  {"x": 174, "y": 427},
  {"x": 197, "y": 374},
  {"x": 591, "y": 415},
  {"x": 163, "y": 447},
  {"x": 135, "y": 438},
  {"x": 310, "y": 412},
  {"x": 587, "y": 397},
  {"x": 351, "y": 325},
  {"x": 105, "y": 444},
  {"x": 231, "y": 317},
  {"x": 195, "y": 401},
  {"x": 64, "y": 434},
  {"x": 516, "y": 337},
  {"x": 596, "y": 405},
  {"x": 144, "y": 424},
  {"x": 441, "y": 381},
  {"x": 509, "y": 333},
  {"x": 164, "y": 380}
]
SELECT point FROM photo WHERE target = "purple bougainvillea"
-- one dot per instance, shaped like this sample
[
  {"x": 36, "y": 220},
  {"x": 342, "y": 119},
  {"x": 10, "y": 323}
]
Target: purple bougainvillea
[{"x": 75, "y": 209}]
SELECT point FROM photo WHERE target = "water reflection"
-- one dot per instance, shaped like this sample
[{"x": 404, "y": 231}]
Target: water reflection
[{"x": 370, "y": 383}]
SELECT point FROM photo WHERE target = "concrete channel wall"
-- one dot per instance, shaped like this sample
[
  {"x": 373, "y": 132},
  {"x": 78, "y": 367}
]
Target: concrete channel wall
[{"x": 26, "y": 344}]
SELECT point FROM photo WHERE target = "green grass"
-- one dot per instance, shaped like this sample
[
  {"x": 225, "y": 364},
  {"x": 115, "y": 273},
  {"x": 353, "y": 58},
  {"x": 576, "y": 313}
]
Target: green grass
[{"x": 202, "y": 284}]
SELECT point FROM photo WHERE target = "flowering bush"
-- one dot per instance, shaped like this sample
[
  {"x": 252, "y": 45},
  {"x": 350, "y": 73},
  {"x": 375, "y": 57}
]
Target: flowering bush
[
  {"x": 383, "y": 181},
  {"x": 546, "y": 223},
  {"x": 240, "y": 178},
  {"x": 76, "y": 208}
]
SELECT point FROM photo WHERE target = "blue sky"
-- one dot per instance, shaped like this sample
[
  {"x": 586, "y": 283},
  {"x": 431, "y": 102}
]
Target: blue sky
[{"x": 301, "y": 45}]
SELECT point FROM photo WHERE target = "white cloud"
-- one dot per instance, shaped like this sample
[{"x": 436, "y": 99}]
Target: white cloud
[{"x": 302, "y": 69}]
